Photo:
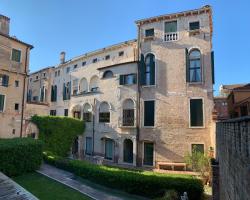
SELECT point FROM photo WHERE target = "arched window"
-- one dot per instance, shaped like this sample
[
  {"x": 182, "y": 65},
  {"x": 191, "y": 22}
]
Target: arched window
[
  {"x": 83, "y": 85},
  {"x": 128, "y": 113},
  {"x": 195, "y": 66},
  {"x": 76, "y": 111},
  {"x": 104, "y": 112},
  {"x": 108, "y": 74},
  {"x": 87, "y": 112},
  {"x": 149, "y": 71},
  {"x": 128, "y": 151},
  {"x": 94, "y": 84}
]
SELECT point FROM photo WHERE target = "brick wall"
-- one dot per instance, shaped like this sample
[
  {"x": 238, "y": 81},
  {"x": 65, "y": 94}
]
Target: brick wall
[{"x": 233, "y": 155}]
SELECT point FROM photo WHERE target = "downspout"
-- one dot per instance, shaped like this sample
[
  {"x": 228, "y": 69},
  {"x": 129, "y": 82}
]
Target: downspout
[
  {"x": 93, "y": 128},
  {"x": 24, "y": 89},
  {"x": 138, "y": 163}
]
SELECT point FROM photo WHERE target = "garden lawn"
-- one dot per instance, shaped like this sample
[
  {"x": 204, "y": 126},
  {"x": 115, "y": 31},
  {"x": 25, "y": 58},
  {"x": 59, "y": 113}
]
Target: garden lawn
[{"x": 45, "y": 188}]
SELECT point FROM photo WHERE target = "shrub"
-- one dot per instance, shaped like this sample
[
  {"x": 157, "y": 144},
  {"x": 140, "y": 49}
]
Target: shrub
[
  {"x": 58, "y": 133},
  {"x": 142, "y": 183},
  {"x": 20, "y": 155}
]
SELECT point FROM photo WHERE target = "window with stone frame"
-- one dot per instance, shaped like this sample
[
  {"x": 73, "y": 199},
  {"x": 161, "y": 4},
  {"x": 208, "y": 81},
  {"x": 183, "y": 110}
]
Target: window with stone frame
[
  {"x": 2, "y": 102},
  {"x": 87, "y": 113},
  {"x": 88, "y": 146},
  {"x": 104, "y": 112},
  {"x": 194, "y": 66},
  {"x": 16, "y": 55},
  {"x": 128, "y": 118},
  {"x": 149, "y": 113},
  {"x": 196, "y": 113}
]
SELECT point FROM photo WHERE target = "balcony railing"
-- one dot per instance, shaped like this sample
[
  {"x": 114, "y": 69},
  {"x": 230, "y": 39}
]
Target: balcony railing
[{"x": 171, "y": 36}]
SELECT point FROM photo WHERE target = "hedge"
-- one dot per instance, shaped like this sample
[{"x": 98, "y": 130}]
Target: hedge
[
  {"x": 58, "y": 133},
  {"x": 20, "y": 155},
  {"x": 148, "y": 184}
]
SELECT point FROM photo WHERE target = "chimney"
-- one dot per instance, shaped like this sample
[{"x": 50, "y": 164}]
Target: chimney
[
  {"x": 4, "y": 24},
  {"x": 62, "y": 57}
]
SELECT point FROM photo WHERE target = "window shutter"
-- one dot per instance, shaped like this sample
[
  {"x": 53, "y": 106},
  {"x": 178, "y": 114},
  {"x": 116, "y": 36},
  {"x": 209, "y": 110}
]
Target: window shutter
[
  {"x": 142, "y": 71},
  {"x": 187, "y": 66},
  {"x": 121, "y": 79},
  {"x": 1, "y": 102},
  {"x": 152, "y": 69},
  {"x": 69, "y": 90},
  {"x": 212, "y": 67},
  {"x": 55, "y": 93},
  {"x": 134, "y": 78},
  {"x": 64, "y": 91},
  {"x": 52, "y": 93}
]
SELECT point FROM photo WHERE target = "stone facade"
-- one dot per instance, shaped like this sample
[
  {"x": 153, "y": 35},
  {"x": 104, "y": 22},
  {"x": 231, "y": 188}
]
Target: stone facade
[
  {"x": 233, "y": 156},
  {"x": 14, "y": 66},
  {"x": 113, "y": 87}
]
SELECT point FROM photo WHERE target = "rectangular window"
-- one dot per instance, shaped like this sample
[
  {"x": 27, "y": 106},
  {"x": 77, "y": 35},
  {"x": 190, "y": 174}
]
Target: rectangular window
[
  {"x": 109, "y": 146},
  {"x": 128, "y": 117},
  {"x": 88, "y": 149},
  {"x": 53, "y": 112},
  {"x": 66, "y": 112},
  {"x": 67, "y": 70},
  {"x": 104, "y": 117},
  {"x": 196, "y": 113},
  {"x": 148, "y": 153},
  {"x": 121, "y": 53},
  {"x": 199, "y": 148},
  {"x": 107, "y": 57},
  {"x": 44, "y": 74},
  {"x": 194, "y": 26},
  {"x": 87, "y": 116},
  {"x": 58, "y": 73},
  {"x": 128, "y": 79},
  {"x": 16, "y": 83},
  {"x": 16, "y": 107},
  {"x": 4, "y": 80},
  {"x": 75, "y": 66},
  {"x": 16, "y": 55},
  {"x": 149, "y": 113},
  {"x": 94, "y": 60},
  {"x": 171, "y": 27},
  {"x": 13, "y": 131},
  {"x": 83, "y": 63},
  {"x": 55, "y": 73},
  {"x": 149, "y": 32},
  {"x": 2, "y": 102}
]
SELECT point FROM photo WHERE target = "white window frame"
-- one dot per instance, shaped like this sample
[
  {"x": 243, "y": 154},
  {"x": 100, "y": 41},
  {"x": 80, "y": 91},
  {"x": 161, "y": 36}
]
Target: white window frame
[
  {"x": 203, "y": 113},
  {"x": 4, "y": 106},
  {"x": 154, "y": 152},
  {"x": 20, "y": 55},
  {"x": 144, "y": 113}
]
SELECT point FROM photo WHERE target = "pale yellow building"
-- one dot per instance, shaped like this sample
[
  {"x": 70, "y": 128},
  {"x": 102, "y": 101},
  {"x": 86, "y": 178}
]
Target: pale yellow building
[{"x": 14, "y": 67}]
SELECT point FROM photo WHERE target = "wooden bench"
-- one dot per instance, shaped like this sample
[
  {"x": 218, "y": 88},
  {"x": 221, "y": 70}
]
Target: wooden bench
[{"x": 172, "y": 166}]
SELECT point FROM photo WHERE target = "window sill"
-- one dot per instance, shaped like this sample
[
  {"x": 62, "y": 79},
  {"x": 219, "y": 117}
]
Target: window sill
[
  {"x": 148, "y": 86},
  {"x": 148, "y": 126},
  {"x": 127, "y": 126},
  {"x": 195, "y": 83},
  {"x": 149, "y": 38},
  {"x": 194, "y": 32},
  {"x": 197, "y": 127}
]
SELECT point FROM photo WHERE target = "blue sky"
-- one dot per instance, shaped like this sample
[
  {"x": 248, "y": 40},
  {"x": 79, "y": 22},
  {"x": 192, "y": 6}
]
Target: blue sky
[{"x": 79, "y": 26}]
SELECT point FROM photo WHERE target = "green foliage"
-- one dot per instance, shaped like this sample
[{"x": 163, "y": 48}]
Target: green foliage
[
  {"x": 20, "y": 155},
  {"x": 199, "y": 162},
  {"x": 58, "y": 133},
  {"x": 149, "y": 184}
]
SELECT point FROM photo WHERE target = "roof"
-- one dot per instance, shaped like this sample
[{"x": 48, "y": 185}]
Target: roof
[
  {"x": 5, "y": 17},
  {"x": 243, "y": 88},
  {"x": 204, "y": 9},
  {"x": 231, "y": 87},
  {"x": 43, "y": 69},
  {"x": 98, "y": 51},
  {"x": 17, "y": 40}
]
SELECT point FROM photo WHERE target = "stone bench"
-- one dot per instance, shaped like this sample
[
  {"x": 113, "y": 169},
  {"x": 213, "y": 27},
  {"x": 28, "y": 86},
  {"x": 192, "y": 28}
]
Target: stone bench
[{"x": 171, "y": 166}]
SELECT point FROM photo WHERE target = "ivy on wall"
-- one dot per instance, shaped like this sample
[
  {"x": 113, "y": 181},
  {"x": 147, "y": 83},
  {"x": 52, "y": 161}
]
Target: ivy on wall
[{"x": 58, "y": 133}]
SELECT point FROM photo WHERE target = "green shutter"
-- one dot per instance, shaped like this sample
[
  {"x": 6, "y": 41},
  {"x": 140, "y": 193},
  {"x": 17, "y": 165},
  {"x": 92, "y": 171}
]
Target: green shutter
[
  {"x": 55, "y": 93},
  {"x": 187, "y": 66},
  {"x": 152, "y": 69},
  {"x": 1, "y": 102},
  {"x": 212, "y": 67},
  {"x": 134, "y": 78},
  {"x": 121, "y": 79},
  {"x": 52, "y": 93},
  {"x": 64, "y": 91},
  {"x": 69, "y": 94},
  {"x": 142, "y": 77}
]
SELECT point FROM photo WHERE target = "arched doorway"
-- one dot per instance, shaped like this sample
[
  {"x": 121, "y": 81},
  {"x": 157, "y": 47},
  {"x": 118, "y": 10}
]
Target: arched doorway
[{"x": 128, "y": 151}]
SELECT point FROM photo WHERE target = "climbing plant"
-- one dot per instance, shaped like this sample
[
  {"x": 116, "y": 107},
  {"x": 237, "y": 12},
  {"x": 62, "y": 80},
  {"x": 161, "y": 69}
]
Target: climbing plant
[{"x": 58, "y": 133}]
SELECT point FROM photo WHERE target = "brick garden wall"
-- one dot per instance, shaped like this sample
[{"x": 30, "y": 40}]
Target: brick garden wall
[{"x": 233, "y": 156}]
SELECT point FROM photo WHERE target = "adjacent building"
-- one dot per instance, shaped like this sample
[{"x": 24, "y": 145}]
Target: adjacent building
[
  {"x": 146, "y": 102},
  {"x": 14, "y": 67}
]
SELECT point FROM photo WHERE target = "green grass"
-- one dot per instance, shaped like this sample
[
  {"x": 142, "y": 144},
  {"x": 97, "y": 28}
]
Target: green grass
[{"x": 47, "y": 189}]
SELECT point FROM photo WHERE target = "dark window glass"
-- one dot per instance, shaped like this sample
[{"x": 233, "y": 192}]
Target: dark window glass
[
  {"x": 199, "y": 148},
  {"x": 88, "y": 149},
  {"x": 149, "y": 113},
  {"x": 149, "y": 71},
  {"x": 2, "y": 101},
  {"x": 13, "y": 131},
  {"x": 243, "y": 110},
  {"x": 196, "y": 112},
  {"x": 148, "y": 154},
  {"x": 75, "y": 66},
  {"x": 195, "y": 66},
  {"x": 107, "y": 57},
  {"x": 53, "y": 93},
  {"x": 121, "y": 53},
  {"x": 128, "y": 79},
  {"x": 128, "y": 151},
  {"x": 128, "y": 117},
  {"x": 108, "y": 74},
  {"x": 16, "y": 106},
  {"x": 171, "y": 27},
  {"x": 194, "y": 26},
  {"x": 16, "y": 55},
  {"x": 149, "y": 32},
  {"x": 67, "y": 70},
  {"x": 87, "y": 116},
  {"x": 83, "y": 63},
  {"x": 109, "y": 148},
  {"x": 94, "y": 60},
  {"x": 66, "y": 112},
  {"x": 16, "y": 83},
  {"x": 77, "y": 114},
  {"x": 104, "y": 117},
  {"x": 53, "y": 112},
  {"x": 4, "y": 80}
]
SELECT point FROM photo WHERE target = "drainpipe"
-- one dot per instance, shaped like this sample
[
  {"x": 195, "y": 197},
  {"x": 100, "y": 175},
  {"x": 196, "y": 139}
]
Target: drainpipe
[
  {"x": 138, "y": 163},
  {"x": 24, "y": 88},
  {"x": 93, "y": 128}
]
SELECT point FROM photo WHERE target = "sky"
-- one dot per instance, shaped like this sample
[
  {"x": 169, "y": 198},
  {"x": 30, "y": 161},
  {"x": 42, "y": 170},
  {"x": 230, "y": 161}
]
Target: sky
[{"x": 80, "y": 26}]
